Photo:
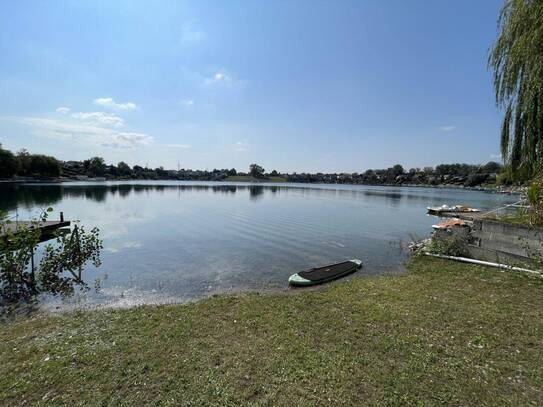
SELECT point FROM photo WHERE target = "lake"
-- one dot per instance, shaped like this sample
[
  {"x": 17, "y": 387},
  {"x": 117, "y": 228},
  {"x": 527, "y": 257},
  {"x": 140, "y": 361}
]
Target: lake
[{"x": 176, "y": 241}]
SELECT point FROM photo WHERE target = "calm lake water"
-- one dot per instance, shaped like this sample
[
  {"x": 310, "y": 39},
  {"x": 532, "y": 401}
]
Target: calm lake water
[{"x": 174, "y": 241}]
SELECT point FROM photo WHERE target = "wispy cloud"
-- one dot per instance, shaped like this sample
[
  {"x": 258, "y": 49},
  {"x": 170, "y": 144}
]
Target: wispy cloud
[
  {"x": 176, "y": 145},
  {"x": 187, "y": 102},
  {"x": 101, "y": 118},
  {"x": 63, "y": 110},
  {"x": 88, "y": 134},
  {"x": 224, "y": 79},
  {"x": 190, "y": 35},
  {"x": 109, "y": 102},
  {"x": 447, "y": 128},
  {"x": 496, "y": 156},
  {"x": 241, "y": 146}
]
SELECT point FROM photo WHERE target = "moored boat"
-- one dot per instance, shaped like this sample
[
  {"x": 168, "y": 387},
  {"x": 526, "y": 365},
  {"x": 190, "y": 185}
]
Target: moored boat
[{"x": 450, "y": 209}]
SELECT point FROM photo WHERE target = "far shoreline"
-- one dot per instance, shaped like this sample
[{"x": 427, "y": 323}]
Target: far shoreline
[{"x": 508, "y": 190}]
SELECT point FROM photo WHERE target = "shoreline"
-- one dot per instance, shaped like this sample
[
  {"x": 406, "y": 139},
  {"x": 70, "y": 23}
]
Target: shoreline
[
  {"x": 375, "y": 340},
  {"x": 508, "y": 190}
]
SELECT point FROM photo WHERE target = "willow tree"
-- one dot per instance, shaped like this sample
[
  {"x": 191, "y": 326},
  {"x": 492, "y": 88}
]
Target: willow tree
[{"x": 517, "y": 63}]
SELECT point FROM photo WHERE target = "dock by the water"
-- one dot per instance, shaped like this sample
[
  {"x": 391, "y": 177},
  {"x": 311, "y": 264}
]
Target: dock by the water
[{"x": 44, "y": 226}]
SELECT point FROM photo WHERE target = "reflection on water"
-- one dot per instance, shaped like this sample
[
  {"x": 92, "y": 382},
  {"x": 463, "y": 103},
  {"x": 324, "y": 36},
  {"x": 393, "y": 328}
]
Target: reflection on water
[{"x": 172, "y": 241}]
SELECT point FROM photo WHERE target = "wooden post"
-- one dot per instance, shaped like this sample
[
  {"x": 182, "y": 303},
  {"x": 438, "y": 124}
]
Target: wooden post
[{"x": 62, "y": 216}]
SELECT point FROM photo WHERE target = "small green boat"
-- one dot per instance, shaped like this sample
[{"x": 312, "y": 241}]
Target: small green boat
[{"x": 323, "y": 274}]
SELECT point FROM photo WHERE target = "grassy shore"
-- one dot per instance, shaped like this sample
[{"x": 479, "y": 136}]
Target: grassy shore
[
  {"x": 442, "y": 333},
  {"x": 248, "y": 178}
]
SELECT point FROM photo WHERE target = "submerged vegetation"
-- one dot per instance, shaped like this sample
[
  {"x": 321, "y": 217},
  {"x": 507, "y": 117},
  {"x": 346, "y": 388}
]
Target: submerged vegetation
[{"x": 444, "y": 333}]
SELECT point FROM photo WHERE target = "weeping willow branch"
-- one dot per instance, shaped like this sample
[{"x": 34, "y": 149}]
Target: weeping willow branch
[{"x": 517, "y": 63}]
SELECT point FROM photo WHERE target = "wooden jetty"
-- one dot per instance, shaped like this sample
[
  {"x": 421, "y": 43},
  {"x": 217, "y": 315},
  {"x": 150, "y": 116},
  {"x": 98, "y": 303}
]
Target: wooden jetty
[{"x": 47, "y": 228}]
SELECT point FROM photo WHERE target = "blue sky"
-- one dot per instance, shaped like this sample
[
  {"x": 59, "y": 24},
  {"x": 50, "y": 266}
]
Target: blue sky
[{"x": 292, "y": 85}]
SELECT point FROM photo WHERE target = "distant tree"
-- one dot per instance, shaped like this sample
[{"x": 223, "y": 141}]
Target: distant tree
[
  {"x": 138, "y": 171},
  {"x": 256, "y": 170},
  {"x": 44, "y": 165},
  {"x": 95, "y": 167},
  {"x": 397, "y": 170},
  {"x": 112, "y": 170},
  {"x": 443, "y": 169},
  {"x": 25, "y": 162},
  {"x": 475, "y": 179},
  {"x": 124, "y": 169},
  {"x": 9, "y": 165},
  {"x": 516, "y": 61},
  {"x": 161, "y": 172},
  {"x": 428, "y": 170},
  {"x": 232, "y": 172},
  {"x": 274, "y": 173},
  {"x": 492, "y": 167}
]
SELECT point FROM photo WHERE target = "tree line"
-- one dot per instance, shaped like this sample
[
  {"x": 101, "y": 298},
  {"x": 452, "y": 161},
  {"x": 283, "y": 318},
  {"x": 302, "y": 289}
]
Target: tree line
[{"x": 24, "y": 164}]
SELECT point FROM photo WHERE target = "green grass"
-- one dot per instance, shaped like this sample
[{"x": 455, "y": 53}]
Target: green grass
[
  {"x": 519, "y": 218},
  {"x": 248, "y": 178},
  {"x": 443, "y": 333}
]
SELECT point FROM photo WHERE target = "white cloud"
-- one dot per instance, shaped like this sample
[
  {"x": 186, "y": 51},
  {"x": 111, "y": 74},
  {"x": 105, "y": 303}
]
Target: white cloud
[
  {"x": 224, "y": 79},
  {"x": 109, "y": 102},
  {"x": 187, "y": 102},
  {"x": 88, "y": 134},
  {"x": 99, "y": 118},
  {"x": 447, "y": 128},
  {"x": 219, "y": 77},
  {"x": 241, "y": 146},
  {"x": 496, "y": 156},
  {"x": 176, "y": 145},
  {"x": 63, "y": 110},
  {"x": 190, "y": 35}
]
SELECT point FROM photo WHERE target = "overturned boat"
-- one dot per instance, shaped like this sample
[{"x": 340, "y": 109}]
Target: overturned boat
[{"x": 323, "y": 274}]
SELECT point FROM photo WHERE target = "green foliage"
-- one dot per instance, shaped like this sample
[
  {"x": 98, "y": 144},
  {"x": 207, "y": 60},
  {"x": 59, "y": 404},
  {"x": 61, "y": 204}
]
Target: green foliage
[
  {"x": 37, "y": 164},
  {"x": 475, "y": 179},
  {"x": 43, "y": 165},
  {"x": 256, "y": 171},
  {"x": 517, "y": 61},
  {"x": 59, "y": 269},
  {"x": 504, "y": 178},
  {"x": 452, "y": 244},
  {"x": 95, "y": 167},
  {"x": 25, "y": 162},
  {"x": 534, "y": 193},
  {"x": 396, "y": 170},
  {"x": 124, "y": 169},
  {"x": 8, "y": 164}
]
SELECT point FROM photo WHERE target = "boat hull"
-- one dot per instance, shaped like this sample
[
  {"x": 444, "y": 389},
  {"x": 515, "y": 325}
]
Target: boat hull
[{"x": 304, "y": 279}]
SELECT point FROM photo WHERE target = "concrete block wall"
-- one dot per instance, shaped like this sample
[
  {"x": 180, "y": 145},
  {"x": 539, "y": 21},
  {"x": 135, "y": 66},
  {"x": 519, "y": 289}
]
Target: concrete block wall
[{"x": 503, "y": 242}]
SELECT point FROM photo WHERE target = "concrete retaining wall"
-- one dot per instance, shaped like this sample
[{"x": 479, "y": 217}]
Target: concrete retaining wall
[{"x": 504, "y": 243}]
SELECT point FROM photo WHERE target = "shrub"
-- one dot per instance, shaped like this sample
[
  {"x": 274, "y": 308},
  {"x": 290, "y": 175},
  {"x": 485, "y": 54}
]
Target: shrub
[
  {"x": 59, "y": 269},
  {"x": 534, "y": 193}
]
